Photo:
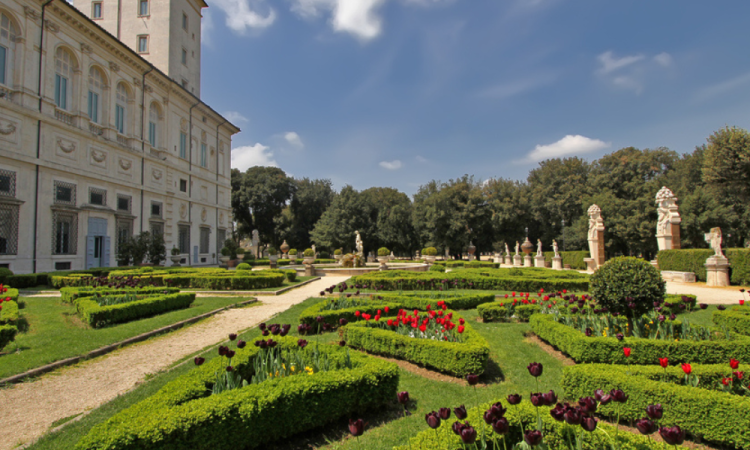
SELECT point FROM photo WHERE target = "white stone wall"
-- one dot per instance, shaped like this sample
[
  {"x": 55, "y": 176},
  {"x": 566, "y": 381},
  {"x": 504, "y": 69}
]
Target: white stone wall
[{"x": 63, "y": 145}]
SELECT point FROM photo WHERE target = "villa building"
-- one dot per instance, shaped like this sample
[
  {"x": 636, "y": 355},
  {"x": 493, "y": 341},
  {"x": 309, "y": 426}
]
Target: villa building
[{"x": 103, "y": 133}]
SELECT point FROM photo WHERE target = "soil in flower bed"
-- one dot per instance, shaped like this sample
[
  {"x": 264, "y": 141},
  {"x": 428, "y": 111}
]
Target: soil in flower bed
[{"x": 550, "y": 350}]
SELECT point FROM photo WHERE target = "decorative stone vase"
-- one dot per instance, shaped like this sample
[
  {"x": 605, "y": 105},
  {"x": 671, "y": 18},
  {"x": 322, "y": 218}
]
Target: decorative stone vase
[
  {"x": 273, "y": 258},
  {"x": 240, "y": 256},
  {"x": 429, "y": 259},
  {"x": 176, "y": 259},
  {"x": 293, "y": 258},
  {"x": 224, "y": 259},
  {"x": 527, "y": 247},
  {"x": 383, "y": 260},
  {"x": 308, "y": 260},
  {"x": 284, "y": 248}
]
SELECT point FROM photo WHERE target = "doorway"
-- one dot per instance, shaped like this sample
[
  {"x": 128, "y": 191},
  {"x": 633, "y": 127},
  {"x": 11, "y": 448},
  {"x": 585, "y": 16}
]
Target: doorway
[{"x": 97, "y": 244}]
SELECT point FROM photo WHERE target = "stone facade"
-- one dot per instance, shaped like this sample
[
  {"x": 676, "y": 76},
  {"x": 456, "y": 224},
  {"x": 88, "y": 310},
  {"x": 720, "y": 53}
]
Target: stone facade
[{"x": 101, "y": 146}]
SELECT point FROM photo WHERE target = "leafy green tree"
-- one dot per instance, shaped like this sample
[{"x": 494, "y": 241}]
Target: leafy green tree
[
  {"x": 310, "y": 200},
  {"x": 509, "y": 205},
  {"x": 390, "y": 213},
  {"x": 348, "y": 213}
]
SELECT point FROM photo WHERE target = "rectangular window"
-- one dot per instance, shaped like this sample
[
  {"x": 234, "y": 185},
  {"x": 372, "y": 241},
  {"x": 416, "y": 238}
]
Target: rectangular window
[
  {"x": 183, "y": 185},
  {"x": 7, "y": 183},
  {"x": 63, "y": 266},
  {"x": 152, "y": 134},
  {"x": 155, "y": 209},
  {"x": 184, "y": 84},
  {"x": 184, "y": 239},
  {"x": 124, "y": 232},
  {"x": 61, "y": 91},
  {"x": 65, "y": 193},
  {"x": 65, "y": 238},
  {"x": 157, "y": 229},
  {"x": 143, "y": 7},
  {"x": 205, "y": 239},
  {"x": 8, "y": 229},
  {"x": 184, "y": 56},
  {"x": 184, "y": 21},
  {"x": 123, "y": 203},
  {"x": 143, "y": 44},
  {"x": 94, "y": 107},
  {"x": 183, "y": 145},
  {"x": 3, "y": 55},
  {"x": 204, "y": 159},
  {"x": 221, "y": 237},
  {"x": 96, "y": 12},
  {"x": 97, "y": 197},
  {"x": 120, "y": 119}
]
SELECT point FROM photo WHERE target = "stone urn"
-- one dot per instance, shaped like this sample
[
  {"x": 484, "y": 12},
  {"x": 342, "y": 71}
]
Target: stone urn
[
  {"x": 273, "y": 258},
  {"x": 284, "y": 249},
  {"x": 224, "y": 259},
  {"x": 383, "y": 260},
  {"x": 240, "y": 256},
  {"x": 308, "y": 260},
  {"x": 527, "y": 247},
  {"x": 471, "y": 249},
  {"x": 176, "y": 259},
  {"x": 293, "y": 258}
]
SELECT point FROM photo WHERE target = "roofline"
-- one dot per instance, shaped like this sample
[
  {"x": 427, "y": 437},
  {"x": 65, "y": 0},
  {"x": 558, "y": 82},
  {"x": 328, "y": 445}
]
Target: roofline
[{"x": 144, "y": 61}]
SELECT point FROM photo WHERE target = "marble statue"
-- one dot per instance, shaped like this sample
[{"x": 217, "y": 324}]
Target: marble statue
[
  {"x": 714, "y": 240},
  {"x": 555, "y": 248},
  {"x": 518, "y": 247},
  {"x": 359, "y": 245},
  {"x": 539, "y": 248},
  {"x": 315, "y": 253},
  {"x": 596, "y": 236},
  {"x": 668, "y": 224},
  {"x": 507, "y": 251}
]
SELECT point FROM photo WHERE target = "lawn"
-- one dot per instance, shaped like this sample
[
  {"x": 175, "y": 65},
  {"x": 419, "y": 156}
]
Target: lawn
[{"x": 54, "y": 331}]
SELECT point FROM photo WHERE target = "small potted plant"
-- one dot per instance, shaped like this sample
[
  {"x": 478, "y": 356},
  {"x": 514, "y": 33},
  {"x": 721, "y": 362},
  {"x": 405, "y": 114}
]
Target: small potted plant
[
  {"x": 226, "y": 252},
  {"x": 309, "y": 256},
  {"x": 176, "y": 257},
  {"x": 429, "y": 254},
  {"x": 240, "y": 253},
  {"x": 383, "y": 256},
  {"x": 338, "y": 254},
  {"x": 273, "y": 255},
  {"x": 292, "y": 255}
]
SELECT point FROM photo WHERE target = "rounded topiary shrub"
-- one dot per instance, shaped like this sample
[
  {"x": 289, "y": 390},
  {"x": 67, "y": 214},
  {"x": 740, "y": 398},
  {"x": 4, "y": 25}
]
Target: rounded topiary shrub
[
  {"x": 437, "y": 268},
  {"x": 429, "y": 251},
  {"x": 244, "y": 266},
  {"x": 324, "y": 255},
  {"x": 309, "y": 253},
  {"x": 383, "y": 251},
  {"x": 627, "y": 285}
]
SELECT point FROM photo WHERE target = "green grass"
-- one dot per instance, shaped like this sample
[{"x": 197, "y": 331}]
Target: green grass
[
  {"x": 55, "y": 332},
  {"x": 506, "y": 374}
]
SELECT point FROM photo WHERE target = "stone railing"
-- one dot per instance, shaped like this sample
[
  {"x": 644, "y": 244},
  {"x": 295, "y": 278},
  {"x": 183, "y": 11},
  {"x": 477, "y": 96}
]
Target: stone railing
[
  {"x": 6, "y": 94},
  {"x": 64, "y": 117},
  {"x": 122, "y": 140},
  {"x": 96, "y": 129}
]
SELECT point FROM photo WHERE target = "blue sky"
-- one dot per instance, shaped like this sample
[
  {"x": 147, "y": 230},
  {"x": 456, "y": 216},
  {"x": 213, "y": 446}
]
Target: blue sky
[{"x": 399, "y": 92}]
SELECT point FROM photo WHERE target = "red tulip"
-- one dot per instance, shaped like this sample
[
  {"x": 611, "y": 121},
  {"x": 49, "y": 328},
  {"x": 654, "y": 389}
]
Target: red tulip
[
  {"x": 460, "y": 328},
  {"x": 626, "y": 350},
  {"x": 733, "y": 363},
  {"x": 726, "y": 381},
  {"x": 739, "y": 375},
  {"x": 687, "y": 368},
  {"x": 199, "y": 361},
  {"x": 664, "y": 362}
]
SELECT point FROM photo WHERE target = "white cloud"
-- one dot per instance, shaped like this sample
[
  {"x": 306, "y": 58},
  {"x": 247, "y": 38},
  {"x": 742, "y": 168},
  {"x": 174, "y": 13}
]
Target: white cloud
[
  {"x": 569, "y": 145},
  {"x": 722, "y": 88},
  {"x": 627, "y": 82},
  {"x": 391, "y": 165},
  {"x": 235, "y": 117},
  {"x": 517, "y": 87},
  {"x": 252, "y": 155},
  {"x": 242, "y": 17},
  {"x": 664, "y": 59},
  {"x": 294, "y": 139},
  {"x": 610, "y": 63}
]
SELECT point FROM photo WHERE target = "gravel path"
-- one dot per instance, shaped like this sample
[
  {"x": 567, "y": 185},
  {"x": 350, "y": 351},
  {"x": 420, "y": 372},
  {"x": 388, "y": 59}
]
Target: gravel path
[
  {"x": 29, "y": 409},
  {"x": 705, "y": 294}
]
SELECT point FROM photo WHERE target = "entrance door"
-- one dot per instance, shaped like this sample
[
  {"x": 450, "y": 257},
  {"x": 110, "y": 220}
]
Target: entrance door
[{"x": 97, "y": 244}]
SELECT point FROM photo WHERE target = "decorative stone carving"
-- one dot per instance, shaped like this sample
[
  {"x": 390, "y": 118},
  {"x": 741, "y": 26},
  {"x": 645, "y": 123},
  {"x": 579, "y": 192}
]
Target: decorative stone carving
[
  {"x": 555, "y": 248},
  {"x": 31, "y": 13},
  {"x": 157, "y": 174},
  {"x": 359, "y": 245},
  {"x": 136, "y": 82},
  {"x": 98, "y": 155},
  {"x": 51, "y": 26},
  {"x": 717, "y": 266},
  {"x": 668, "y": 225},
  {"x": 221, "y": 218},
  {"x": 596, "y": 238},
  {"x": 203, "y": 136},
  {"x": 66, "y": 146},
  {"x": 204, "y": 215},
  {"x": 183, "y": 211},
  {"x": 8, "y": 129},
  {"x": 125, "y": 164},
  {"x": 114, "y": 67},
  {"x": 539, "y": 248},
  {"x": 86, "y": 48},
  {"x": 213, "y": 151},
  {"x": 148, "y": 89},
  {"x": 183, "y": 124},
  {"x": 714, "y": 239}
]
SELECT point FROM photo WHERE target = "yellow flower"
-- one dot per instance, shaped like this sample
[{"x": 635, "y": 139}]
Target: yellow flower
[{"x": 309, "y": 370}]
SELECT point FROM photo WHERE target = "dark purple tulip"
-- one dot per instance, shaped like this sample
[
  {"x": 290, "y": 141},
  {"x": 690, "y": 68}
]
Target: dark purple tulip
[
  {"x": 241, "y": 344},
  {"x": 656, "y": 304},
  {"x": 457, "y": 427},
  {"x": 403, "y": 397},
  {"x": 589, "y": 332},
  {"x": 618, "y": 395},
  {"x": 302, "y": 343},
  {"x": 703, "y": 305},
  {"x": 283, "y": 332},
  {"x": 632, "y": 305},
  {"x": 444, "y": 413},
  {"x": 232, "y": 336},
  {"x": 460, "y": 412},
  {"x": 472, "y": 379},
  {"x": 230, "y": 368},
  {"x": 662, "y": 318},
  {"x": 645, "y": 426},
  {"x": 533, "y": 437},
  {"x": 322, "y": 293},
  {"x": 514, "y": 399},
  {"x": 230, "y": 354},
  {"x": 620, "y": 336},
  {"x": 573, "y": 416},
  {"x": 659, "y": 309},
  {"x": 655, "y": 412},
  {"x": 265, "y": 332},
  {"x": 223, "y": 350},
  {"x": 588, "y": 423},
  {"x": 682, "y": 306},
  {"x": 275, "y": 329},
  {"x": 721, "y": 307},
  {"x": 672, "y": 317},
  {"x": 199, "y": 361},
  {"x": 558, "y": 412},
  {"x": 286, "y": 327},
  {"x": 574, "y": 310},
  {"x": 433, "y": 420},
  {"x": 262, "y": 326},
  {"x": 535, "y": 369},
  {"x": 672, "y": 435},
  {"x": 488, "y": 417},
  {"x": 342, "y": 343},
  {"x": 501, "y": 426},
  {"x": 468, "y": 435},
  {"x": 537, "y": 399},
  {"x": 587, "y": 404},
  {"x": 262, "y": 344},
  {"x": 343, "y": 322},
  {"x": 550, "y": 398},
  {"x": 497, "y": 410},
  {"x": 319, "y": 319},
  {"x": 272, "y": 343},
  {"x": 356, "y": 427}
]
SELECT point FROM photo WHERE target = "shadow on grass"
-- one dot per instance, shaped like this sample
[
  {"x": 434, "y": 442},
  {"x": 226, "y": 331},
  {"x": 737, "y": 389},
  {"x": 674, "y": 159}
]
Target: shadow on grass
[{"x": 493, "y": 373}]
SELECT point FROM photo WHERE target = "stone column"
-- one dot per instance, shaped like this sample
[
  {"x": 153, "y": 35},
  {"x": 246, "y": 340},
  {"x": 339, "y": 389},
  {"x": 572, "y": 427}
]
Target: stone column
[
  {"x": 539, "y": 261},
  {"x": 557, "y": 263},
  {"x": 717, "y": 271},
  {"x": 527, "y": 261},
  {"x": 517, "y": 261}
]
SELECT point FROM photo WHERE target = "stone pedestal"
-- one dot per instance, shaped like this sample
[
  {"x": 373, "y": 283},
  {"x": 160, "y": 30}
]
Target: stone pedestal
[
  {"x": 517, "y": 261},
  {"x": 557, "y": 263},
  {"x": 508, "y": 260},
  {"x": 309, "y": 271},
  {"x": 717, "y": 271},
  {"x": 273, "y": 264},
  {"x": 539, "y": 261},
  {"x": 590, "y": 265},
  {"x": 498, "y": 259},
  {"x": 471, "y": 258},
  {"x": 528, "y": 262}
]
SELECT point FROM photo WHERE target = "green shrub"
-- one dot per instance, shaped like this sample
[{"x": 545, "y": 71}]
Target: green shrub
[
  {"x": 242, "y": 281},
  {"x": 557, "y": 435},
  {"x": 272, "y": 251},
  {"x": 383, "y": 251},
  {"x": 473, "y": 264},
  {"x": 244, "y": 266},
  {"x": 225, "y": 251},
  {"x": 98, "y": 316},
  {"x": 181, "y": 416},
  {"x": 694, "y": 260},
  {"x": 26, "y": 281},
  {"x": 324, "y": 254},
  {"x": 337, "y": 252},
  {"x": 7, "y": 335},
  {"x": 429, "y": 251},
  {"x": 291, "y": 275},
  {"x": 736, "y": 319},
  {"x": 10, "y": 293},
  {"x": 293, "y": 252},
  {"x": 4, "y": 273},
  {"x": 574, "y": 259},
  {"x": 9, "y": 313},
  {"x": 709, "y": 414},
  {"x": 437, "y": 268},
  {"x": 585, "y": 349},
  {"x": 455, "y": 358},
  {"x": 503, "y": 312},
  {"x": 71, "y": 294},
  {"x": 308, "y": 253},
  {"x": 627, "y": 285},
  {"x": 672, "y": 303}
]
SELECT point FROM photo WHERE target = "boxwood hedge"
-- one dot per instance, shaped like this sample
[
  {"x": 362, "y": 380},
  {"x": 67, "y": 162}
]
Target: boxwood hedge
[
  {"x": 9, "y": 313},
  {"x": 8, "y": 318},
  {"x": 573, "y": 259},
  {"x": 585, "y": 349},
  {"x": 7, "y": 334},
  {"x": 182, "y": 415},
  {"x": 70, "y": 294},
  {"x": 10, "y": 293},
  {"x": 694, "y": 260},
  {"x": 455, "y": 358},
  {"x": 98, "y": 316},
  {"x": 224, "y": 280},
  {"x": 714, "y": 416},
  {"x": 736, "y": 319}
]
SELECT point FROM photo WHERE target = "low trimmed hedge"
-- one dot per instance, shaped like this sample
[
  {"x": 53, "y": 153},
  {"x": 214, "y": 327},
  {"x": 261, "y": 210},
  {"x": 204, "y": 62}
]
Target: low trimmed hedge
[
  {"x": 453, "y": 264},
  {"x": 7, "y": 335},
  {"x": 694, "y": 260},
  {"x": 573, "y": 259},
  {"x": 498, "y": 312},
  {"x": 182, "y": 416},
  {"x": 99, "y": 316},
  {"x": 736, "y": 319},
  {"x": 11, "y": 293},
  {"x": 585, "y": 349},
  {"x": 70, "y": 294},
  {"x": 714, "y": 416},
  {"x": 9, "y": 313},
  {"x": 455, "y": 358},
  {"x": 557, "y": 435},
  {"x": 244, "y": 281}
]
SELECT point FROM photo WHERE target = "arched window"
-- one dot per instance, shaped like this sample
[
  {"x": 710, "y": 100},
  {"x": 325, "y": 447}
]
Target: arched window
[
  {"x": 154, "y": 117},
  {"x": 96, "y": 87},
  {"x": 65, "y": 66},
  {"x": 121, "y": 107},
  {"x": 8, "y": 33}
]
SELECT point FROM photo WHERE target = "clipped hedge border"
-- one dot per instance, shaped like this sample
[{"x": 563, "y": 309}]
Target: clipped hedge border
[
  {"x": 244, "y": 281},
  {"x": 585, "y": 349},
  {"x": 181, "y": 416},
  {"x": 712, "y": 415},
  {"x": 9, "y": 313},
  {"x": 455, "y": 358},
  {"x": 694, "y": 260},
  {"x": 736, "y": 319},
  {"x": 7, "y": 335},
  {"x": 70, "y": 294},
  {"x": 99, "y": 316},
  {"x": 12, "y": 293},
  {"x": 557, "y": 435},
  {"x": 575, "y": 259}
]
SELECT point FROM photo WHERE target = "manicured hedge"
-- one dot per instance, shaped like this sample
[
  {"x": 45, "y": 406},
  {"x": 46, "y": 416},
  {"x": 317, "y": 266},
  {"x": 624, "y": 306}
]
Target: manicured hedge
[
  {"x": 557, "y": 435},
  {"x": 454, "y": 264},
  {"x": 242, "y": 281},
  {"x": 403, "y": 280},
  {"x": 714, "y": 416},
  {"x": 99, "y": 316},
  {"x": 455, "y": 358},
  {"x": 182, "y": 416},
  {"x": 736, "y": 319},
  {"x": 573, "y": 259},
  {"x": 694, "y": 260},
  {"x": 7, "y": 335},
  {"x": 9, "y": 313},
  {"x": 12, "y": 293},
  {"x": 585, "y": 349},
  {"x": 70, "y": 294},
  {"x": 498, "y": 312}
]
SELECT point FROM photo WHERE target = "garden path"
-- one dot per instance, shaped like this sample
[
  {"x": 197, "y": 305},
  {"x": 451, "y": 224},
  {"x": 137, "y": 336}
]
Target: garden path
[
  {"x": 29, "y": 409},
  {"x": 710, "y": 295}
]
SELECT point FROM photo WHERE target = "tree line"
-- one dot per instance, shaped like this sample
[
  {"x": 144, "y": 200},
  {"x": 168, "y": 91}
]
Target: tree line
[{"x": 712, "y": 185}]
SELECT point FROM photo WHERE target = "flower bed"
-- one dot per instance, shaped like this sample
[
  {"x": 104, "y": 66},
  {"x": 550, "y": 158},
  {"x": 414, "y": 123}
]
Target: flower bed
[
  {"x": 717, "y": 417},
  {"x": 97, "y": 315},
  {"x": 70, "y": 294},
  {"x": 468, "y": 355},
  {"x": 736, "y": 319},
  {"x": 585, "y": 349},
  {"x": 182, "y": 415}
]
